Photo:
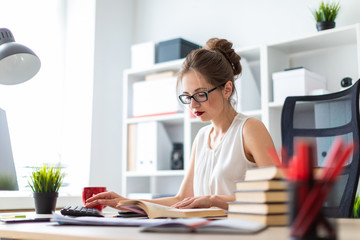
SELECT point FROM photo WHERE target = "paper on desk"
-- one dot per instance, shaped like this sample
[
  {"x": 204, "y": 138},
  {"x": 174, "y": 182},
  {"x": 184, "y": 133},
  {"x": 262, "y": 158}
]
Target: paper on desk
[
  {"x": 104, "y": 221},
  {"x": 203, "y": 225}
]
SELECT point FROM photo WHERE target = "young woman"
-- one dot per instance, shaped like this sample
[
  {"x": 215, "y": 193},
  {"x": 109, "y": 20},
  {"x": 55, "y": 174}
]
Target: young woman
[{"x": 223, "y": 150}]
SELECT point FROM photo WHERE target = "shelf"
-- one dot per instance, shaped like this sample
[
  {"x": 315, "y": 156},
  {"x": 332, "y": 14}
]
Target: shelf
[
  {"x": 159, "y": 173},
  {"x": 169, "y": 118},
  {"x": 333, "y": 53},
  {"x": 159, "y": 67},
  {"x": 275, "y": 105},
  {"x": 320, "y": 40}
]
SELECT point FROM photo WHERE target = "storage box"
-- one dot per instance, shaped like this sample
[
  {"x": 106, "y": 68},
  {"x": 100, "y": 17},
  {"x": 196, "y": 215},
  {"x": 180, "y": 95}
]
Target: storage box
[
  {"x": 296, "y": 83},
  {"x": 174, "y": 49},
  {"x": 143, "y": 55},
  {"x": 155, "y": 97}
]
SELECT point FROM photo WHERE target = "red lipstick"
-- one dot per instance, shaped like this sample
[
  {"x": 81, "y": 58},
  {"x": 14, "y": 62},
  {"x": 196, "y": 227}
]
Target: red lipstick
[{"x": 198, "y": 113}]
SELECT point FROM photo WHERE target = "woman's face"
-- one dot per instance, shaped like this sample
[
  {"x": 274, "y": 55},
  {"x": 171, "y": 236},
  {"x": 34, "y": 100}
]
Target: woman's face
[{"x": 193, "y": 82}]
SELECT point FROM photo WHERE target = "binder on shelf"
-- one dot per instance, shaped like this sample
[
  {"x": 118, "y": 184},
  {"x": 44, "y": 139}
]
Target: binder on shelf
[
  {"x": 158, "y": 97},
  {"x": 153, "y": 147},
  {"x": 131, "y": 148}
]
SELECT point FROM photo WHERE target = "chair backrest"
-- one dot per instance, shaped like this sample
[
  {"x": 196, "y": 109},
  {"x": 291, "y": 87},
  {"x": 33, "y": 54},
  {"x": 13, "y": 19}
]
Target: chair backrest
[{"x": 320, "y": 119}]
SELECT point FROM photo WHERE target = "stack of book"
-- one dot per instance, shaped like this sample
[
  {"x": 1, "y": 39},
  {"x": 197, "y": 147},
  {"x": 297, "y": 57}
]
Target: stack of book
[{"x": 262, "y": 197}]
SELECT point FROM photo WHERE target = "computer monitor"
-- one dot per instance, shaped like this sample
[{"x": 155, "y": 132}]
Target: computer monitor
[{"x": 8, "y": 179}]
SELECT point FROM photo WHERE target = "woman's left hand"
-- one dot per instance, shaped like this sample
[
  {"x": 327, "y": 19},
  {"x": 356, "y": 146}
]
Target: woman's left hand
[{"x": 194, "y": 202}]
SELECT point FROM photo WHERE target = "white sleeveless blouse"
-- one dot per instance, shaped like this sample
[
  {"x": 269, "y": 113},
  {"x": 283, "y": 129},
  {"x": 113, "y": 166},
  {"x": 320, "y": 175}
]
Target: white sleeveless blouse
[{"x": 216, "y": 170}]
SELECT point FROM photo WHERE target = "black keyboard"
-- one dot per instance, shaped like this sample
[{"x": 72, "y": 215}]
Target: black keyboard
[{"x": 80, "y": 211}]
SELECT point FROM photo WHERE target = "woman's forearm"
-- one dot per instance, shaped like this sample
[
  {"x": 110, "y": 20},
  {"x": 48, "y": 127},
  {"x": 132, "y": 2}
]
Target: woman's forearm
[{"x": 167, "y": 201}]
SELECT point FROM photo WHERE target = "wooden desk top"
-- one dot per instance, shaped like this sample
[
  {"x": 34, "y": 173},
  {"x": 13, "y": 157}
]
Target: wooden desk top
[{"x": 349, "y": 229}]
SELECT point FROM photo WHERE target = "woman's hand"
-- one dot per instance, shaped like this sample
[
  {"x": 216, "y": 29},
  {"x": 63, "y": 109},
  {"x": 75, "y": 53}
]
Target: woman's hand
[
  {"x": 110, "y": 199},
  {"x": 195, "y": 202}
]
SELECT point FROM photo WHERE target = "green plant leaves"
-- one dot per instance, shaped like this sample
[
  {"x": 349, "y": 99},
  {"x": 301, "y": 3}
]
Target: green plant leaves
[
  {"x": 356, "y": 209},
  {"x": 326, "y": 11},
  {"x": 46, "y": 179}
]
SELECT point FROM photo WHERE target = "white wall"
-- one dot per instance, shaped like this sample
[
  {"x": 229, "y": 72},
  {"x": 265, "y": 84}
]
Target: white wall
[
  {"x": 78, "y": 90},
  {"x": 113, "y": 38},
  {"x": 244, "y": 22}
]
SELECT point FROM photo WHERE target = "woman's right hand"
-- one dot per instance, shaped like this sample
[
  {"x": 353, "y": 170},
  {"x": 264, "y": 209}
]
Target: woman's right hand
[{"x": 110, "y": 199}]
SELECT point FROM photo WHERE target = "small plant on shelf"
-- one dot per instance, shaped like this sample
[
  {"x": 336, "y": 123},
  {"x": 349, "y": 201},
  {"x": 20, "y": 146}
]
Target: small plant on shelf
[{"x": 326, "y": 14}]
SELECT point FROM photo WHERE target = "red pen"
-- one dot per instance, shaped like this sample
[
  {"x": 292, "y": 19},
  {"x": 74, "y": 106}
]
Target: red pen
[{"x": 320, "y": 191}]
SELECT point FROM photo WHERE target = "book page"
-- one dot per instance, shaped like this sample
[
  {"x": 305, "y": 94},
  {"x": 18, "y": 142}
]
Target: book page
[{"x": 156, "y": 210}]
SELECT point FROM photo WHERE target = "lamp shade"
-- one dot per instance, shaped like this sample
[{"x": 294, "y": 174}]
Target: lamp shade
[{"x": 17, "y": 62}]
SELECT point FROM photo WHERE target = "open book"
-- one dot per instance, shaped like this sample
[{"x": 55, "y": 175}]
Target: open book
[
  {"x": 153, "y": 210},
  {"x": 203, "y": 225}
]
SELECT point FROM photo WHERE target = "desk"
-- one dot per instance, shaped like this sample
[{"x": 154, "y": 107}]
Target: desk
[{"x": 349, "y": 229}]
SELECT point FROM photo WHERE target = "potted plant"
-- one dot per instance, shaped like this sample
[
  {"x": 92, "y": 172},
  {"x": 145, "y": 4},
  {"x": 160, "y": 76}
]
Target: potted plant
[
  {"x": 326, "y": 14},
  {"x": 45, "y": 182}
]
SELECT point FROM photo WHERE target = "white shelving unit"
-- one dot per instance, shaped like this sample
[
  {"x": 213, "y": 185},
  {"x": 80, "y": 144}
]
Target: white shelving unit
[{"x": 334, "y": 54}]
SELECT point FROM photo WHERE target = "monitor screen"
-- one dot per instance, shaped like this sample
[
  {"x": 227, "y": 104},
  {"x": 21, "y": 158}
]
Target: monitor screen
[{"x": 8, "y": 180}]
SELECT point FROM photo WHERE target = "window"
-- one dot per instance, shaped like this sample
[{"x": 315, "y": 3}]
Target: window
[{"x": 49, "y": 116}]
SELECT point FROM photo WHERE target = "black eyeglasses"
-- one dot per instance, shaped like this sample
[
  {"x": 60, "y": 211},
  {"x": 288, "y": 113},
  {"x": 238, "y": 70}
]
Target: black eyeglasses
[{"x": 199, "y": 97}]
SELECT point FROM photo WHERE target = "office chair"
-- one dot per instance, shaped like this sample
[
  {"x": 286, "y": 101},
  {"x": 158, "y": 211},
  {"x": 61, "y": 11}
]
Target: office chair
[{"x": 320, "y": 119}]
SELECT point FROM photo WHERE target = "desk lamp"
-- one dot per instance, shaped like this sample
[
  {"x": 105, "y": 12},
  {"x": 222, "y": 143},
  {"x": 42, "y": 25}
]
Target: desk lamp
[{"x": 17, "y": 62}]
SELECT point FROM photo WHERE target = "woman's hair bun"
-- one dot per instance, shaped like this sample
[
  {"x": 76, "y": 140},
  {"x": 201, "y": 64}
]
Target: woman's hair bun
[{"x": 224, "y": 47}]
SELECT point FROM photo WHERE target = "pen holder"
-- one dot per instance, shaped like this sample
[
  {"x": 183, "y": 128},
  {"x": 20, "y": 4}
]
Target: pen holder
[
  {"x": 296, "y": 190},
  {"x": 306, "y": 218}
]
